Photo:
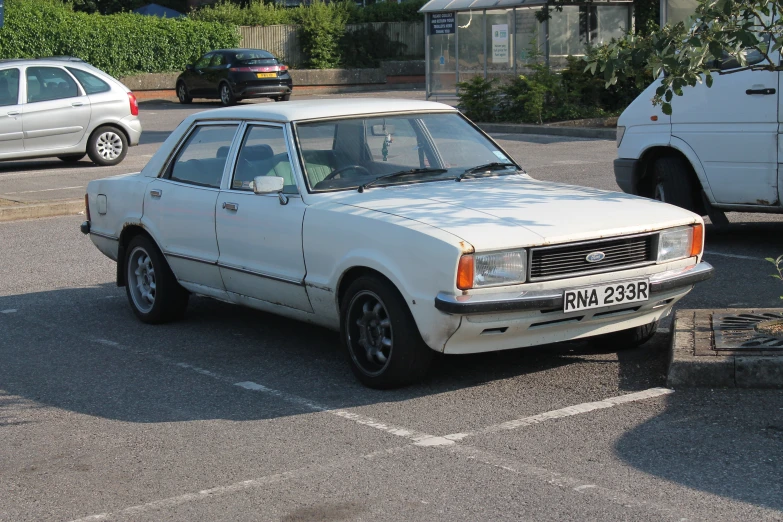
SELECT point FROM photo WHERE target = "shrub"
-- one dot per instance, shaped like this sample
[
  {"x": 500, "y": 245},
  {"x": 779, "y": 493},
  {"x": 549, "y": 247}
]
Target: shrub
[
  {"x": 366, "y": 46},
  {"x": 118, "y": 44},
  {"x": 323, "y": 26},
  {"x": 478, "y": 98}
]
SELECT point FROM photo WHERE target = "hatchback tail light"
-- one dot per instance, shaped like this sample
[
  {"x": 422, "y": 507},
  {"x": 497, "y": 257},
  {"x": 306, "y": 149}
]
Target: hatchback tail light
[{"x": 134, "y": 104}]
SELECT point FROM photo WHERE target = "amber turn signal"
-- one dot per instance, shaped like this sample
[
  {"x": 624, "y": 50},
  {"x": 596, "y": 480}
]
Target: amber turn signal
[
  {"x": 465, "y": 273},
  {"x": 698, "y": 240}
]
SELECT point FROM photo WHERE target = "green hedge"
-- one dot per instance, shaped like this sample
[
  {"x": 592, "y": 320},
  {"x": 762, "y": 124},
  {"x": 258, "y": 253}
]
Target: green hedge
[
  {"x": 118, "y": 44},
  {"x": 256, "y": 12}
]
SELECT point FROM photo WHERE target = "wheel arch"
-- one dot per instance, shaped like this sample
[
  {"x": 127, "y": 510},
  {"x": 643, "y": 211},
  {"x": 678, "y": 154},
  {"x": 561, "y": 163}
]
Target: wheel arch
[
  {"x": 645, "y": 176},
  {"x": 352, "y": 274},
  {"x": 126, "y": 236},
  {"x": 113, "y": 125}
]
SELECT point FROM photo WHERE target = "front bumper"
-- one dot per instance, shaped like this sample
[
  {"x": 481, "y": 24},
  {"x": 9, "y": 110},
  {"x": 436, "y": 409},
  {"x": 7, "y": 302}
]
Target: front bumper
[
  {"x": 625, "y": 174},
  {"x": 552, "y": 299}
]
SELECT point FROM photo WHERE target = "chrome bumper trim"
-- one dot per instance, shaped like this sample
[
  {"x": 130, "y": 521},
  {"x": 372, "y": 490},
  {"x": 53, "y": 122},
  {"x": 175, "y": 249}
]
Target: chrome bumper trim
[{"x": 553, "y": 299}]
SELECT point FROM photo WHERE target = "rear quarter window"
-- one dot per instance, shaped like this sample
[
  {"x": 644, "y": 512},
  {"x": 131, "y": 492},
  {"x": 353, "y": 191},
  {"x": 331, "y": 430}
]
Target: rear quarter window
[{"x": 90, "y": 83}]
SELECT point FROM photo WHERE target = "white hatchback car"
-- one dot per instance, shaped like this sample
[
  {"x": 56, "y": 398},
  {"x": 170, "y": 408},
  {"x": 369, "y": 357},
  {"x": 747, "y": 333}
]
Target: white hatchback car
[
  {"x": 65, "y": 108},
  {"x": 396, "y": 222}
]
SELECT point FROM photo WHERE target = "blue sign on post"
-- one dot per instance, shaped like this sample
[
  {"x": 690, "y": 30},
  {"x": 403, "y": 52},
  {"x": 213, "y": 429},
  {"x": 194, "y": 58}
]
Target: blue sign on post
[{"x": 2, "y": 13}]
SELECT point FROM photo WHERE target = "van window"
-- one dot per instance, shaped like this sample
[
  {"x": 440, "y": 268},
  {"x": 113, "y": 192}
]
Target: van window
[
  {"x": 9, "y": 87},
  {"x": 49, "y": 83},
  {"x": 90, "y": 83}
]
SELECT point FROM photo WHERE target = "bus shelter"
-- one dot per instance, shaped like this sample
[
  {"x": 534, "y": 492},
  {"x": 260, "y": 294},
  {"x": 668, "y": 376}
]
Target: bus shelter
[{"x": 501, "y": 38}]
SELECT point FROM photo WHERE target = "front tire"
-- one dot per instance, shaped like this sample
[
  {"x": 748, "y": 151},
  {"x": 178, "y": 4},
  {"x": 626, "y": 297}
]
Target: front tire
[
  {"x": 107, "y": 146},
  {"x": 673, "y": 182},
  {"x": 154, "y": 294},
  {"x": 284, "y": 97},
  {"x": 182, "y": 93},
  {"x": 380, "y": 335},
  {"x": 226, "y": 95},
  {"x": 626, "y": 339}
]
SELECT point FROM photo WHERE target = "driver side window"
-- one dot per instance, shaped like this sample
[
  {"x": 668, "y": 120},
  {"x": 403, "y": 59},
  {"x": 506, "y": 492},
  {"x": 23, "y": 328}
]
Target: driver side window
[{"x": 203, "y": 61}]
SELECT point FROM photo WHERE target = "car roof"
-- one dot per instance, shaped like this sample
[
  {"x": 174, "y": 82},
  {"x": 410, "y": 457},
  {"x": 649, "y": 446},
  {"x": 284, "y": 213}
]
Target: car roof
[
  {"x": 47, "y": 60},
  {"x": 316, "y": 109}
]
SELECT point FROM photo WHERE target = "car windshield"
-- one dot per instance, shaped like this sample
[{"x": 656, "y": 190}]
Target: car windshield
[{"x": 359, "y": 153}]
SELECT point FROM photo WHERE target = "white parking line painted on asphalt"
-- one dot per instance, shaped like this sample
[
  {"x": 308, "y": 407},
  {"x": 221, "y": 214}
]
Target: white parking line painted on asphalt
[
  {"x": 418, "y": 438},
  {"x": 42, "y": 190},
  {"x": 9, "y": 311},
  {"x": 565, "y": 412},
  {"x": 168, "y": 503},
  {"x": 733, "y": 256}
]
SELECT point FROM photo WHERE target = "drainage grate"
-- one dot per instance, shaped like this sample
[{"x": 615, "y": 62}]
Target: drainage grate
[{"x": 738, "y": 332}]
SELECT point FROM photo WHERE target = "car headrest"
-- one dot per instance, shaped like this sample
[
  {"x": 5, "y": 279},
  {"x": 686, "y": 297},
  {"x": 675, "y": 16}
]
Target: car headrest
[
  {"x": 222, "y": 152},
  {"x": 256, "y": 152}
]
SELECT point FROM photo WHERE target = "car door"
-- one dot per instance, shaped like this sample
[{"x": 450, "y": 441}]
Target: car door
[
  {"x": 197, "y": 82},
  {"x": 733, "y": 129},
  {"x": 57, "y": 112},
  {"x": 260, "y": 236},
  {"x": 11, "y": 132},
  {"x": 179, "y": 207},
  {"x": 215, "y": 72}
]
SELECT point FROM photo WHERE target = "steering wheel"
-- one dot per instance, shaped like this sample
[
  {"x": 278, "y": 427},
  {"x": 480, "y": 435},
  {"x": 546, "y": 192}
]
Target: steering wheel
[{"x": 339, "y": 171}]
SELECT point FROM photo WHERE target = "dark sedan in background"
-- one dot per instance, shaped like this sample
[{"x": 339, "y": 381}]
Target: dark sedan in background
[{"x": 231, "y": 75}]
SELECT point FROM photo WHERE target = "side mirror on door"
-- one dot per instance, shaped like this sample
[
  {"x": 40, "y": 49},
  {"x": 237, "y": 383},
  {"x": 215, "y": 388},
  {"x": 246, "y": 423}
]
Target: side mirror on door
[
  {"x": 270, "y": 185},
  {"x": 189, "y": 67}
]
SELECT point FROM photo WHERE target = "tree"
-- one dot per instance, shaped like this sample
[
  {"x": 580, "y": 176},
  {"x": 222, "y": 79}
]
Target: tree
[{"x": 727, "y": 36}]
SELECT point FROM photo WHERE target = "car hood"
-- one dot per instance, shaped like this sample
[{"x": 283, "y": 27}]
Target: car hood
[{"x": 519, "y": 211}]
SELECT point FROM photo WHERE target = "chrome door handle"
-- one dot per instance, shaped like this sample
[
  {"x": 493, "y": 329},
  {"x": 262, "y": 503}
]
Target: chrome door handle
[
  {"x": 230, "y": 206},
  {"x": 13, "y": 113},
  {"x": 155, "y": 193},
  {"x": 77, "y": 104}
]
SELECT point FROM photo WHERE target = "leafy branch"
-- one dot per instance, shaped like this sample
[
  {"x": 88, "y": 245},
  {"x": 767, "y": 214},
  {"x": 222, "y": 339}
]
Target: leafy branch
[{"x": 727, "y": 36}]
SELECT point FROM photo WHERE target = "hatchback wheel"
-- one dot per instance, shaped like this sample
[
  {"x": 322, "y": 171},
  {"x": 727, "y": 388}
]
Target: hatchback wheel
[
  {"x": 182, "y": 93},
  {"x": 227, "y": 95},
  {"x": 153, "y": 292},
  {"x": 285, "y": 97},
  {"x": 107, "y": 146},
  {"x": 383, "y": 342}
]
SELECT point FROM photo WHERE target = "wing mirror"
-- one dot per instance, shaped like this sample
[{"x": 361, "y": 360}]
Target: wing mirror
[
  {"x": 270, "y": 185},
  {"x": 189, "y": 67},
  {"x": 382, "y": 130}
]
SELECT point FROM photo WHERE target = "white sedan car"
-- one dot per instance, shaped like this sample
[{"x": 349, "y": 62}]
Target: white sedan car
[{"x": 398, "y": 223}]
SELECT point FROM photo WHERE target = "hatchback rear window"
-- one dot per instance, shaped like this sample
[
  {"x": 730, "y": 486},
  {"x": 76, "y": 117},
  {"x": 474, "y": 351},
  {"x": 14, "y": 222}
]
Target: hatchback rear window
[{"x": 91, "y": 83}]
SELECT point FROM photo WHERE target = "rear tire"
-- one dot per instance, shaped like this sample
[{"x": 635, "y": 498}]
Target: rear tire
[
  {"x": 285, "y": 97},
  {"x": 226, "y": 95},
  {"x": 153, "y": 292},
  {"x": 626, "y": 339},
  {"x": 379, "y": 333},
  {"x": 182, "y": 93},
  {"x": 72, "y": 158},
  {"x": 107, "y": 146},
  {"x": 673, "y": 182}
]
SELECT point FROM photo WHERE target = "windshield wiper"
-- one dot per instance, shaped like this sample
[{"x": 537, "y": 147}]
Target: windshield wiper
[
  {"x": 495, "y": 165},
  {"x": 402, "y": 173}
]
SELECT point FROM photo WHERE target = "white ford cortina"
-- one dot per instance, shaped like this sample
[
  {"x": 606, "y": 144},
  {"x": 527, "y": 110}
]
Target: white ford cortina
[{"x": 396, "y": 222}]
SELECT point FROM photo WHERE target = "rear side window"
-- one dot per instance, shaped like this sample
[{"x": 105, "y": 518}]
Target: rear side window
[
  {"x": 9, "y": 87},
  {"x": 49, "y": 83},
  {"x": 263, "y": 153},
  {"x": 90, "y": 83},
  {"x": 203, "y": 157}
]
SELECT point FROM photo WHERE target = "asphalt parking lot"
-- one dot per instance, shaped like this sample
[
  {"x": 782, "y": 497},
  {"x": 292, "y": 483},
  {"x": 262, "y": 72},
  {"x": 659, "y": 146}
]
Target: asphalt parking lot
[{"x": 233, "y": 414}]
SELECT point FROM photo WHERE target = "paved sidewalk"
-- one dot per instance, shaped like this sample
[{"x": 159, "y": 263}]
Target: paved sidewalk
[{"x": 725, "y": 349}]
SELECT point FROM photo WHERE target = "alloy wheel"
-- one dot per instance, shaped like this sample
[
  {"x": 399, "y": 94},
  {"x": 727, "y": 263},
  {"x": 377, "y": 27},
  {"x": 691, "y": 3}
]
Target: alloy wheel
[
  {"x": 109, "y": 145},
  {"x": 370, "y": 336},
  {"x": 141, "y": 280}
]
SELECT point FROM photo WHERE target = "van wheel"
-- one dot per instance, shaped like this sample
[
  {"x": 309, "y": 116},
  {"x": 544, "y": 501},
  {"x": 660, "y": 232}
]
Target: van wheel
[
  {"x": 153, "y": 292},
  {"x": 382, "y": 340},
  {"x": 625, "y": 339},
  {"x": 107, "y": 146},
  {"x": 673, "y": 182}
]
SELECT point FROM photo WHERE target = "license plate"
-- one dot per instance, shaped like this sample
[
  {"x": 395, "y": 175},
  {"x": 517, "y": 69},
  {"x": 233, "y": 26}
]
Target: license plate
[
  {"x": 266, "y": 75},
  {"x": 606, "y": 295}
]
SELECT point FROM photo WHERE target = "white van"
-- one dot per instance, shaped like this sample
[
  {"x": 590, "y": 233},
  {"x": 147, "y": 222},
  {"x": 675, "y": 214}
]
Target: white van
[{"x": 719, "y": 151}]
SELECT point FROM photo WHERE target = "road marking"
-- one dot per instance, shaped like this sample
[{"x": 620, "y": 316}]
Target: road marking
[
  {"x": 418, "y": 438},
  {"x": 565, "y": 412},
  {"x": 734, "y": 256},
  {"x": 42, "y": 190},
  {"x": 9, "y": 311},
  {"x": 240, "y": 486}
]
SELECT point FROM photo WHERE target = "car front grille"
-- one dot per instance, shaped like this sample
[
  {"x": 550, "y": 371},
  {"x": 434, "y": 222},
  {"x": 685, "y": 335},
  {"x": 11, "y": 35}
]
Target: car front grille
[{"x": 557, "y": 262}]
